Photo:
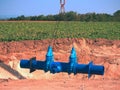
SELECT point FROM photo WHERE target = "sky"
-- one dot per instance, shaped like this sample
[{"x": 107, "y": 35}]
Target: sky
[{"x": 46, "y": 7}]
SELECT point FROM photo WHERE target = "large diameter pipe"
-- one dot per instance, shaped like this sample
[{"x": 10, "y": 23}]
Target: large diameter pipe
[
  {"x": 55, "y": 67},
  {"x": 90, "y": 69}
]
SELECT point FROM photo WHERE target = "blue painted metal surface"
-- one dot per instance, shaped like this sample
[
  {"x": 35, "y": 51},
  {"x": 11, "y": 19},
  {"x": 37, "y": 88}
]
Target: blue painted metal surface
[{"x": 55, "y": 67}]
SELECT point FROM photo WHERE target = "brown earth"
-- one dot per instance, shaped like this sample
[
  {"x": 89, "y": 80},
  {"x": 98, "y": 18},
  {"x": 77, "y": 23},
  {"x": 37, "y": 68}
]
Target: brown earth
[{"x": 100, "y": 51}]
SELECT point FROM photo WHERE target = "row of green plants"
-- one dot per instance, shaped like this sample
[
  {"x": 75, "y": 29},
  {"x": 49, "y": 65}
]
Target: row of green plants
[{"x": 15, "y": 31}]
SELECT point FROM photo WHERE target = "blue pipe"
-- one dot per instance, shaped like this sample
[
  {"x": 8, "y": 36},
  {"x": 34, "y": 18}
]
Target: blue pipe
[{"x": 55, "y": 67}]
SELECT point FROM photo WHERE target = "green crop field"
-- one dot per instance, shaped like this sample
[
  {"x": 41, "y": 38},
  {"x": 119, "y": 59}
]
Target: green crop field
[{"x": 27, "y": 30}]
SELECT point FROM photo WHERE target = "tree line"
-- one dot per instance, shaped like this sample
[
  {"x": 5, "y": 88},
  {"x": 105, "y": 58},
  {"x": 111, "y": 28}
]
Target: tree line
[{"x": 73, "y": 16}]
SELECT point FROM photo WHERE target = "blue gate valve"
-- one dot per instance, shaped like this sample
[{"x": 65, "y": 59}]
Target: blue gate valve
[{"x": 56, "y": 67}]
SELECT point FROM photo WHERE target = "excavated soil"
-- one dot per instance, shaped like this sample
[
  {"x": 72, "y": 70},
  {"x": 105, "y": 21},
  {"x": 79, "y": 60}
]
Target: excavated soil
[{"x": 100, "y": 51}]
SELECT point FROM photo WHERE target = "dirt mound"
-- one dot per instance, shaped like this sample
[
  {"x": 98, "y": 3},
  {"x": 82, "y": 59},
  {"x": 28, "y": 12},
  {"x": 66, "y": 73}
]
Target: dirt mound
[{"x": 100, "y": 51}]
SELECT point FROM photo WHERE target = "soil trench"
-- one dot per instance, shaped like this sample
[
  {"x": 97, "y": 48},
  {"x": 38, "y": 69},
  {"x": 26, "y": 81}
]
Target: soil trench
[{"x": 100, "y": 51}]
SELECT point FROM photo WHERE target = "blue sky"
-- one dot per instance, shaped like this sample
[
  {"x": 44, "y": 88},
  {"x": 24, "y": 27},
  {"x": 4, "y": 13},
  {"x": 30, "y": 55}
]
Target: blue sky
[{"x": 38, "y": 7}]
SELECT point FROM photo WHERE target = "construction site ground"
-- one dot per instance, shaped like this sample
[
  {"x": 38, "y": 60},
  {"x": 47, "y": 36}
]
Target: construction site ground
[{"x": 100, "y": 51}]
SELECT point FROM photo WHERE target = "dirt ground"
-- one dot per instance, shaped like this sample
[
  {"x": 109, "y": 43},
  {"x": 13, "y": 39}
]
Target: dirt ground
[{"x": 100, "y": 51}]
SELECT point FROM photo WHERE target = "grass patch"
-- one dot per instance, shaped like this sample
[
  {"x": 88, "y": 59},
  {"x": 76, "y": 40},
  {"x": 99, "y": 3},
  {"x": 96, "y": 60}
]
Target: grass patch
[{"x": 14, "y": 31}]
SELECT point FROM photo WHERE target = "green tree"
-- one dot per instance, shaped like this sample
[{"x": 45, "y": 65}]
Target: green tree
[
  {"x": 41, "y": 17},
  {"x": 71, "y": 16},
  {"x": 50, "y": 17},
  {"x": 22, "y": 17},
  {"x": 116, "y": 15}
]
